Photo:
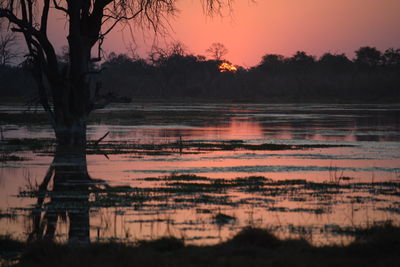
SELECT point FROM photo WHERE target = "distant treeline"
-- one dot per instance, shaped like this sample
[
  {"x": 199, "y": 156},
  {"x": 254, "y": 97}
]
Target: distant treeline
[{"x": 372, "y": 76}]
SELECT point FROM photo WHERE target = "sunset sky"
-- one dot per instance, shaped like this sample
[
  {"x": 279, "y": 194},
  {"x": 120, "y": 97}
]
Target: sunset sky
[{"x": 276, "y": 26}]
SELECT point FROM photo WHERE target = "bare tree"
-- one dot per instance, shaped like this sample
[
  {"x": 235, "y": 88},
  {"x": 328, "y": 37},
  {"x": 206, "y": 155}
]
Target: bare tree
[
  {"x": 8, "y": 53},
  {"x": 217, "y": 51},
  {"x": 159, "y": 55},
  {"x": 67, "y": 92}
]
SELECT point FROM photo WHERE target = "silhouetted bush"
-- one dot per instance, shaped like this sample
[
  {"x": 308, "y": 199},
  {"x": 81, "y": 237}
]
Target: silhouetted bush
[{"x": 375, "y": 246}]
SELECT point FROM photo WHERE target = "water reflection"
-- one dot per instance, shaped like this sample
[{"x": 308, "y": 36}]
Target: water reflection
[
  {"x": 69, "y": 197},
  {"x": 314, "y": 123},
  {"x": 159, "y": 122},
  {"x": 149, "y": 192}
]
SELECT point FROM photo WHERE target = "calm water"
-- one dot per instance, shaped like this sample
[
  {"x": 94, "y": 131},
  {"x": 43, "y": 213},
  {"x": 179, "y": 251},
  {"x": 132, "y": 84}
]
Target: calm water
[{"x": 351, "y": 180}]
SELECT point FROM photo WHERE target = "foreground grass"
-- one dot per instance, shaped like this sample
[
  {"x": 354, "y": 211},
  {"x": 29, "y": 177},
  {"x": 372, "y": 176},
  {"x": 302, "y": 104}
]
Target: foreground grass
[{"x": 376, "y": 246}]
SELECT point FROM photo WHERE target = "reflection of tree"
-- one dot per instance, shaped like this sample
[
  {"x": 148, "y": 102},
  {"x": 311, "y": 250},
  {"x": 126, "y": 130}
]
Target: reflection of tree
[
  {"x": 340, "y": 123},
  {"x": 68, "y": 198}
]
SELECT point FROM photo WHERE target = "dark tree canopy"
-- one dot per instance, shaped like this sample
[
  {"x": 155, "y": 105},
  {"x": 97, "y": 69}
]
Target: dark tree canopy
[
  {"x": 271, "y": 62},
  {"x": 368, "y": 56},
  {"x": 391, "y": 57},
  {"x": 173, "y": 73},
  {"x": 301, "y": 58}
]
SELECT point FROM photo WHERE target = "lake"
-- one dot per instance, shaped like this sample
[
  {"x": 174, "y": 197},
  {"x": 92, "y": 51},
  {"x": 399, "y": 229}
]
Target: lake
[{"x": 202, "y": 172}]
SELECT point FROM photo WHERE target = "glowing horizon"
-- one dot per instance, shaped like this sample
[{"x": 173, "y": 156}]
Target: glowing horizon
[
  {"x": 285, "y": 26},
  {"x": 270, "y": 27},
  {"x": 227, "y": 67}
]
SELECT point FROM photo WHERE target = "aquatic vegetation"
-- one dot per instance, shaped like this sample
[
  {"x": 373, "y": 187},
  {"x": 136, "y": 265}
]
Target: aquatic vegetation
[
  {"x": 6, "y": 157},
  {"x": 222, "y": 219},
  {"x": 45, "y": 145},
  {"x": 183, "y": 177},
  {"x": 180, "y": 169},
  {"x": 8, "y": 214},
  {"x": 206, "y": 195},
  {"x": 27, "y": 144},
  {"x": 392, "y": 209}
]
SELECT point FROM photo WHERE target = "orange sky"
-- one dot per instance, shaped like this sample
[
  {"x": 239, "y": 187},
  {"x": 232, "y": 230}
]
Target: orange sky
[{"x": 279, "y": 26}]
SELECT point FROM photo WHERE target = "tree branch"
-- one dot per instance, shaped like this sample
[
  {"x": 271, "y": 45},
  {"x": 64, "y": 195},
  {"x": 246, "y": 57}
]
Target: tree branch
[
  {"x": 45, "y": 15},
  {"x": 58, "y": 7},
  {"x": 118, "y": 19}
]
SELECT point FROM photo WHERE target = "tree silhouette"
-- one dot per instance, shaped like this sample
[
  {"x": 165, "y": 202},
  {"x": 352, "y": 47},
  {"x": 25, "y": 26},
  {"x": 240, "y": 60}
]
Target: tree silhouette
[
  {"x": 368, "y": 56},
  {"x": 301, "y": 58},
  {"x": 67, "y": 92},
  {"x": 8, "y": 53},
  {"x": 217, "y": 51},
  {"x": 334, "y": 61},
  {"x": 159, "y": 55},
  {"x": 271, "y": 62},
  {"x": 391, "y": 57}
]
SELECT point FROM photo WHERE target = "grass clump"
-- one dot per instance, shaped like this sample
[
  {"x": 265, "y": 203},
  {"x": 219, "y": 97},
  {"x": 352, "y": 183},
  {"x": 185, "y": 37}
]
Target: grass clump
[
  {"x": 163, "y": 244},
  {"x": 383, "y": 238},
  {"x": 10, "y": 249},
  {"x": 254, "y": 237}
]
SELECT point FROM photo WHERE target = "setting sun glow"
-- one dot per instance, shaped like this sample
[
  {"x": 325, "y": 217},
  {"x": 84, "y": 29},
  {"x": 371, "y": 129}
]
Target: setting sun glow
[{"x": 225, "y": 66}]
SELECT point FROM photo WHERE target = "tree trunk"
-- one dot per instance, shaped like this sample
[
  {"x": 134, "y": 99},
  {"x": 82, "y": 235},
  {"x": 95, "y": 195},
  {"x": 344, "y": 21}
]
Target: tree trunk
[
  {"x": 71, "y": 110},
  {"x": 73, "y": 133}
]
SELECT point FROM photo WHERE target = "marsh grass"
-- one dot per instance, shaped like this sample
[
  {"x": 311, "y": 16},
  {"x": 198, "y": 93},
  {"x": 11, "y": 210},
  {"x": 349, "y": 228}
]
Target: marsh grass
[
  {"x": 28, "y": 144},
  {"x": 47, "y": 146},
  {"x": 179, "y": 191},
  {"x": 222, "y": 219},
  {"x": 9, "y": 214},
  {"x": 374, "y": 246},
  {"x": 7, "y": 157},
  {"x": 7, "y": 150},
  {"x": 174, "y": 190}
]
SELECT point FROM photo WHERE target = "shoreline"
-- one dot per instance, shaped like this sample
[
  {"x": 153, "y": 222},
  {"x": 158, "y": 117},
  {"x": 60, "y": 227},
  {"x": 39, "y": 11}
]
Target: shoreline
[{"x": 375, "y": 246}]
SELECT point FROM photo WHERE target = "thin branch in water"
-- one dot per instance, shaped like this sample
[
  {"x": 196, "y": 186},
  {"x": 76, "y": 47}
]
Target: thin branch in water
[{"x": 101, "y": 139}]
